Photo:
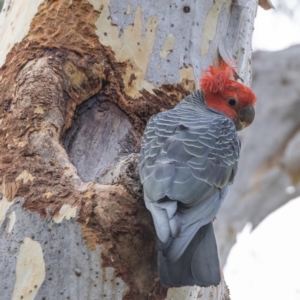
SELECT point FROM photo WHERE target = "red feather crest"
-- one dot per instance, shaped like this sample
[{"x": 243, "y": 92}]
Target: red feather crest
[{"x": 215, "y": 79}]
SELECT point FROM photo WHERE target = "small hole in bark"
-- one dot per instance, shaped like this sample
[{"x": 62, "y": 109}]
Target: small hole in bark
[
  {"x": 186, "y": 9},
  {"x": 77, "y": 272}
]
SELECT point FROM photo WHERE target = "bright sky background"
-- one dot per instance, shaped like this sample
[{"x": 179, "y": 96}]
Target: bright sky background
[
  {"x": 265, "y": 264},
  {"x": 275, "y": 29}
]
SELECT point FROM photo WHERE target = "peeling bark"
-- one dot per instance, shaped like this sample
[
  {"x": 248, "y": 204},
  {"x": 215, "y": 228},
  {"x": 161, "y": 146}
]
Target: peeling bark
[{"x": 77, "y": 87}]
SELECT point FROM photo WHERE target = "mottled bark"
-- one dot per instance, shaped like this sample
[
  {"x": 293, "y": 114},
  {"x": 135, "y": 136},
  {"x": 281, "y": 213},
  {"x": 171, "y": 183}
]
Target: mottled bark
[{"x": 79, "y": 80}]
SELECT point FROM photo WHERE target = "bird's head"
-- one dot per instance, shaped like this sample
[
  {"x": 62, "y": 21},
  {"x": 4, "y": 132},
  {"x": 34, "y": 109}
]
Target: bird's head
[{"x": 223, "y": 93}]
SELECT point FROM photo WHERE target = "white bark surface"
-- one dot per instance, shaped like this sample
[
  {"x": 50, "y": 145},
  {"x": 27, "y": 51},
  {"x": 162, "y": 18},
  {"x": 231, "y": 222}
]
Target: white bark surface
[
  {"x": 49, "y": 260},
  {"x": 15, "y": 19},
  {"x": 162, "y": 51}
]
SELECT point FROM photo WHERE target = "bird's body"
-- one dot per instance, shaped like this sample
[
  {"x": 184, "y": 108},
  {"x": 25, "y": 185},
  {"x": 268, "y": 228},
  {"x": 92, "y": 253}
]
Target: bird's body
[{"x": 188, "y": 158}]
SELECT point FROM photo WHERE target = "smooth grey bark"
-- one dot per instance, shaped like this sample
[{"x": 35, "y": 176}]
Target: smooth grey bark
[{"x": 72, "y": 270}]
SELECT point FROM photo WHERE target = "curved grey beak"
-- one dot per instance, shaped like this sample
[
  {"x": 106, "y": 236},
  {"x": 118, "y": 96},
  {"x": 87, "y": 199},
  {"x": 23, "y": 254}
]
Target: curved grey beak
[{"x": 245, "y": 117}]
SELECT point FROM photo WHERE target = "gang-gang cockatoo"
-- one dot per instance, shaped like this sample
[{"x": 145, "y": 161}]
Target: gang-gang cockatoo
[{"x": 189, "y": 157}]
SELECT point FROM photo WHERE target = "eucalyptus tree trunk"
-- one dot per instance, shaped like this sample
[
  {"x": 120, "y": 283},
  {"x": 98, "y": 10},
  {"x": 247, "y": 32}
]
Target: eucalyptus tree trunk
[{"x": 78, "y": 82}]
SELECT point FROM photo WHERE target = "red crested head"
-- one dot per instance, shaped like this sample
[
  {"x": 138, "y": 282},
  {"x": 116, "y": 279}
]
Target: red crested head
[
  {"x": 215, "y": 80},
  {"x": 223, "y": 93}
]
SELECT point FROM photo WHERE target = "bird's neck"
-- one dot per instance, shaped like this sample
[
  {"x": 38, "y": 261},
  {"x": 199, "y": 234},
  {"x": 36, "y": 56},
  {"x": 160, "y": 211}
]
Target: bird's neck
[{"x": 194, "y": 99}]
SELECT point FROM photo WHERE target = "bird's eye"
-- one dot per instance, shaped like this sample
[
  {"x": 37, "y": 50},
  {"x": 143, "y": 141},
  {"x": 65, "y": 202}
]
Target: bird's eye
[{"x": 232, "y": 102}]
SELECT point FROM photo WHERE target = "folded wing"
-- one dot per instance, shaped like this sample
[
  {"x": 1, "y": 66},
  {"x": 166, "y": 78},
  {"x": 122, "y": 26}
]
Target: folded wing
[{"x": 188, "y": 158}]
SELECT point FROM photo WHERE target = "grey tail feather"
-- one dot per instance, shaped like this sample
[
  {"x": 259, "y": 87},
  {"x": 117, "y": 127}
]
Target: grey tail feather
[{"x": 199, "y": 264}]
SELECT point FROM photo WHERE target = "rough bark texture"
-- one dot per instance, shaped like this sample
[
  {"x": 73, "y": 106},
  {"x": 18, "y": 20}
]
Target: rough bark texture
[
  {"x": 269, "y": 168},
  {"x": 78, "y": 82}
]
